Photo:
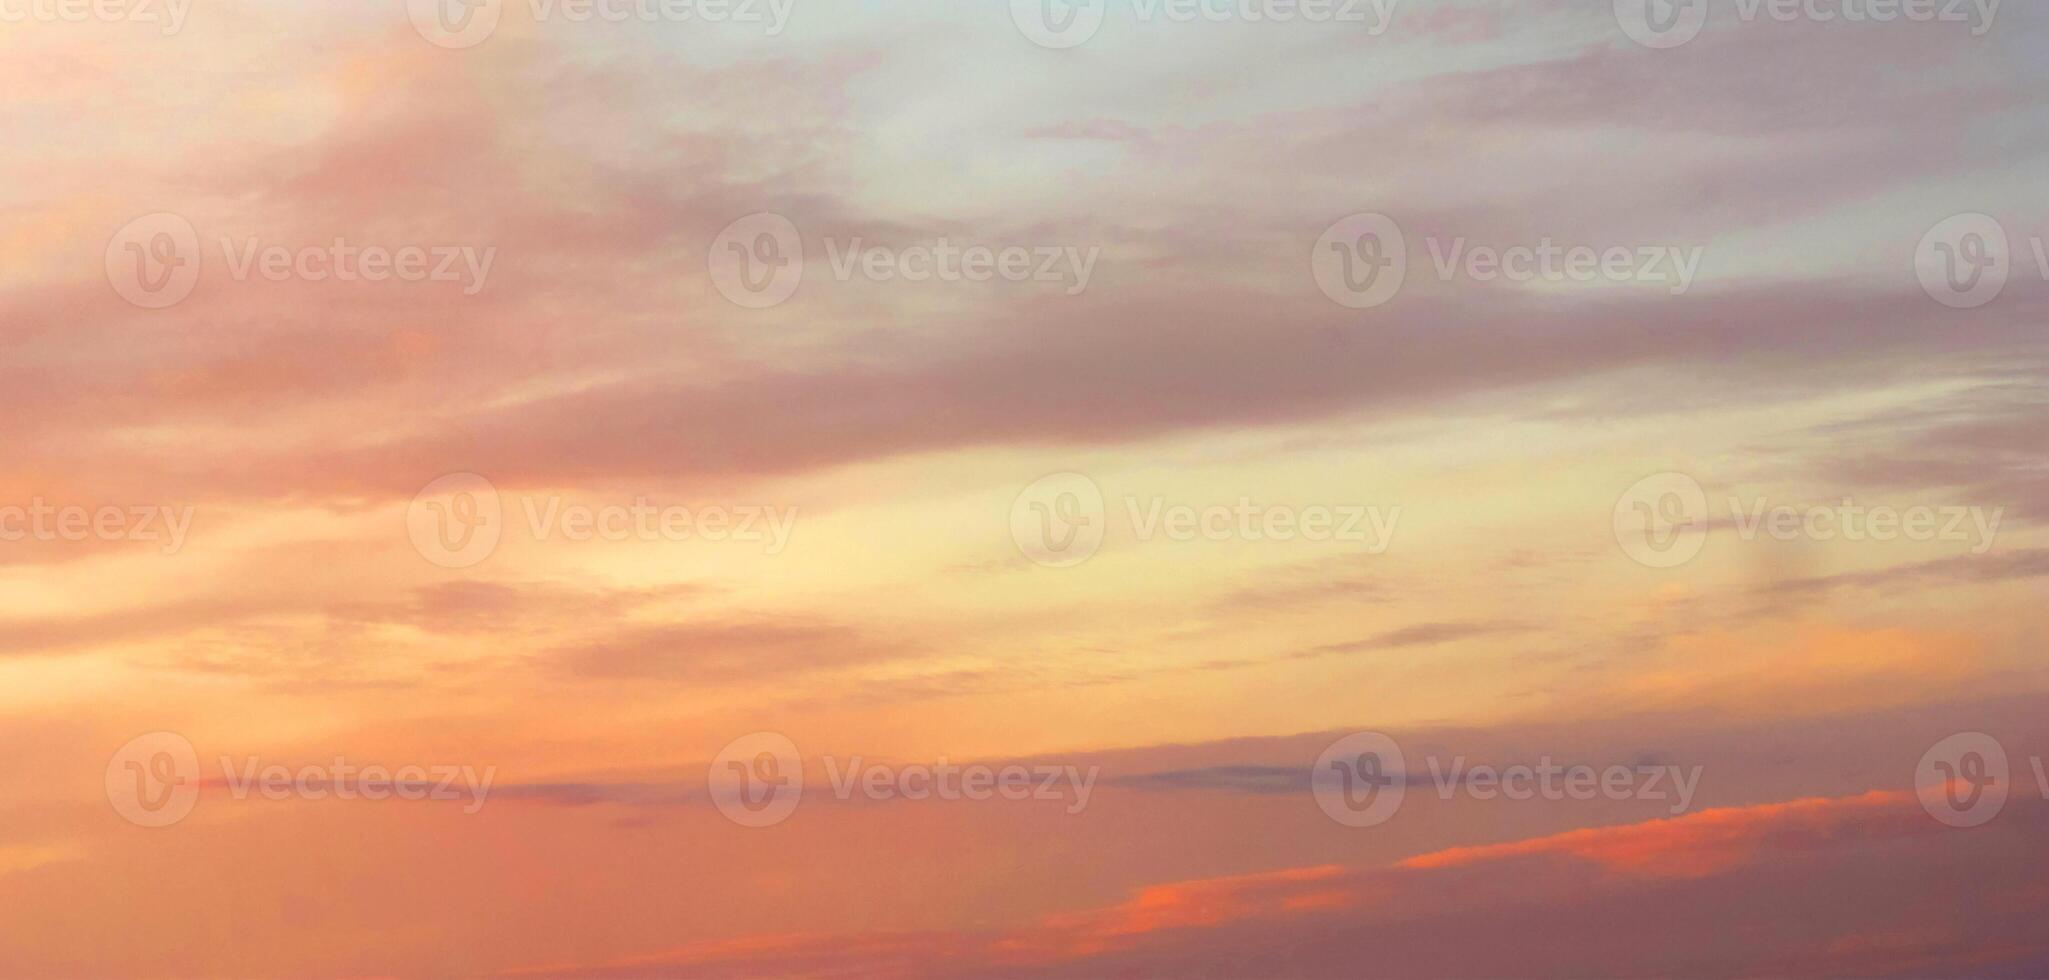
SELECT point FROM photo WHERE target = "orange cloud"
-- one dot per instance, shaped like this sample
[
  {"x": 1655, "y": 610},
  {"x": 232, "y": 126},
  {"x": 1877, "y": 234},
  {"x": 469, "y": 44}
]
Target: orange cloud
[
  {"x": 1317, "y": 921},
  {"x": 1698, "y": 844}
]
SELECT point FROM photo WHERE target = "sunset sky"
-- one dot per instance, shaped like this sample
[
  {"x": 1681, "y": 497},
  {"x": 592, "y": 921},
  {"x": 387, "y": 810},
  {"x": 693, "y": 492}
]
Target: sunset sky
[{"x": 603, "y": 420}]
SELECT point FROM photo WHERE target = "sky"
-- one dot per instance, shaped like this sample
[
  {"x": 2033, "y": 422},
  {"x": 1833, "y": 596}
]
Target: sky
[{"x": 1131, "y": 488}]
